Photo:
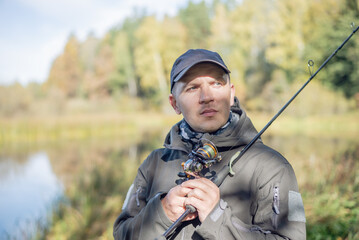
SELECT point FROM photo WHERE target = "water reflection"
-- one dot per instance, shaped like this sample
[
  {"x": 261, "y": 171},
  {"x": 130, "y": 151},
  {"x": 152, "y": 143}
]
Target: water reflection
[
  {"x": 28, "y": 192},
  {"x": 96, "y": 175}
]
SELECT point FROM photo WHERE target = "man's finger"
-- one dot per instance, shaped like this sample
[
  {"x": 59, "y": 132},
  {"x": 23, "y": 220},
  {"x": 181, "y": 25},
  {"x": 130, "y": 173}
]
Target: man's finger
[
  {"x": 197, "y": 193},
  {"x": 202, "y": 183},
  {"x": 180, "y": 191}
]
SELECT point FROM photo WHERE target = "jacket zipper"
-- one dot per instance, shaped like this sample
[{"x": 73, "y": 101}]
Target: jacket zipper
[{"x": 275, "y": 207}]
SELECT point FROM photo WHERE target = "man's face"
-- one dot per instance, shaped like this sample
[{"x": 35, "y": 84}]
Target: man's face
[{"x": 203, "y": 97}]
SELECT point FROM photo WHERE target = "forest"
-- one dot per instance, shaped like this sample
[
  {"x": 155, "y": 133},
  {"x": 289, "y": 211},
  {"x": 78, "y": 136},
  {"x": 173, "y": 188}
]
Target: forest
[
  {"x": 106, "y": 96},
  {"x": 266, "y": 44}
]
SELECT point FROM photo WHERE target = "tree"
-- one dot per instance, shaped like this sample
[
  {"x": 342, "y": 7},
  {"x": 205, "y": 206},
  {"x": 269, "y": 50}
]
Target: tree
[
  {"x": 285, "y": 39},
  {"x": 248, "y": 34},
  {"x": 148, "y": 59},
  {"x": 197, "y": 21},
  {"x": 123, "y": 78},
  {"x": 330, "y": 21},
  {"x": 228, "y": 42},
  {"x": 220, "y": 37},
  {"x": 129, "y": 27},
  {"x": 88, "y": 55},
  {"x": 14, "y": 100},
  {"x": 87, "y": 52},
  {"x": 174, "y": 37},
  {"x": 104, "y": 67},
  {"x": 66, "y": 71}
]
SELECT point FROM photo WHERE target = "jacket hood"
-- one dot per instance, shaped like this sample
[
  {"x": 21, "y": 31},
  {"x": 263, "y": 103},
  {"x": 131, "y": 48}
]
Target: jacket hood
[{"x": 234, "y": 136}]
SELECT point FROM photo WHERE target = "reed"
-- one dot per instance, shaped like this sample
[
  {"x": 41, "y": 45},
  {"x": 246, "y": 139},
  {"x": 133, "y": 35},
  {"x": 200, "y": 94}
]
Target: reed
[
  {"x": 107, "y": 125},
  {"x": 79, "y": 127}
]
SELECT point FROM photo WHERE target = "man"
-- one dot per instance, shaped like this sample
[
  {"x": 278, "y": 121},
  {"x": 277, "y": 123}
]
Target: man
[{"x": 261, "y": 201}]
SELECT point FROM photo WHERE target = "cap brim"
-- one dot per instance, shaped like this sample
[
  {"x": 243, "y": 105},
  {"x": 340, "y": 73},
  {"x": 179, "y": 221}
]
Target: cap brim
[{"x": 183, "y": 72}]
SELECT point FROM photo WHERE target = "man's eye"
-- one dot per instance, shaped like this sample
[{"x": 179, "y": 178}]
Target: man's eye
[{"x": 191, "y": 88}]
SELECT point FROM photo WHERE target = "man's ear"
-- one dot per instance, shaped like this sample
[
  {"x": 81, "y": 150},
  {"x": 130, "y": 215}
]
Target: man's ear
[
  {"x": 233, "y": 91},
  {"x": 173, "y": 103}
]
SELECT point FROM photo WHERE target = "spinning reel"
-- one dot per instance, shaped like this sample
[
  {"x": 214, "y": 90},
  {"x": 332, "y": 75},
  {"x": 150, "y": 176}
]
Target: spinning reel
[{"x": 204, "y": 156}]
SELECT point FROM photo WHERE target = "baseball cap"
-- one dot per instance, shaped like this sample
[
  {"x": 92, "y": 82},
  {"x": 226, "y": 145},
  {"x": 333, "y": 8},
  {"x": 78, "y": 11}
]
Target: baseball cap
[{"x": 191, "y": 58}]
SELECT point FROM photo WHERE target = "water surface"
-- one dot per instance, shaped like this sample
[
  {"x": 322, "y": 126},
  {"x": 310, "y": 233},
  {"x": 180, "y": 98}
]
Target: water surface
[
  {"x": 29, "y": 190},
  {"x": 94, "y": 176}
]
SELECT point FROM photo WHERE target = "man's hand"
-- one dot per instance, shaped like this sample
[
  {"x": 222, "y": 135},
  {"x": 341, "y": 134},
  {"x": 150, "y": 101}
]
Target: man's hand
[
  {"x": 204, "y": 196},
  {"x": 174, "y": 203},
  {"x": 201, "y": 193}
]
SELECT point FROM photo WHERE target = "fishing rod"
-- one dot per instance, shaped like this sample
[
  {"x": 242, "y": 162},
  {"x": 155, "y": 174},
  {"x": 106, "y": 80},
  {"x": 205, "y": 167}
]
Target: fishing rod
[{"x": 227, "y": 169}]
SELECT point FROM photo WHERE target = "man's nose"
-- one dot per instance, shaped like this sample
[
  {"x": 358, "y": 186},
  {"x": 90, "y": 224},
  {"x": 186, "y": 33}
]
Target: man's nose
[{"x": 206, "y": 94}]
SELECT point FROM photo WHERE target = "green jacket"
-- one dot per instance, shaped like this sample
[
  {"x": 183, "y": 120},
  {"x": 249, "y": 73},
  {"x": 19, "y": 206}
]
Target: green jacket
[{"x": 261, "y": 201}]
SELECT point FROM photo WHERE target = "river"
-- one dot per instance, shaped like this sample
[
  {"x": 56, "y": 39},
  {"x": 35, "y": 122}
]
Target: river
[{"x": 92, "y": 178}]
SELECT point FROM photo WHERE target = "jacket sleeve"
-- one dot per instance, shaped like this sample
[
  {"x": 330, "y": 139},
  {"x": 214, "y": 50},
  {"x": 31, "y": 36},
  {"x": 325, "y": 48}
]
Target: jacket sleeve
[
  {"x": 278, "y": 211},
  {"x": 141, "y": 218}
]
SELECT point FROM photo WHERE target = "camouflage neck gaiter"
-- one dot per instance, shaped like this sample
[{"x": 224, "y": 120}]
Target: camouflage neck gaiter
[{"x": 193, "y": 137}]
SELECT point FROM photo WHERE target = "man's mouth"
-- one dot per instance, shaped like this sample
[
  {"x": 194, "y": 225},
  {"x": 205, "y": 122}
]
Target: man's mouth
[{"x": 208, "y": 112}]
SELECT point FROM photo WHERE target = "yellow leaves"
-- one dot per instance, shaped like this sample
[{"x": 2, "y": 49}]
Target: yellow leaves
[
  {"x": 65, "y": 73},
  {"x": 285, "y": 42},
  {"x": 147, "y": 59},
  {"x": 158, "y": 45},
  {"x": 256, "y": 38}
]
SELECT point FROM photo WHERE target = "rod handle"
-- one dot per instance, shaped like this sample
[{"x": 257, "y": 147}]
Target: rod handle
[{"x": 189, "y": 209}]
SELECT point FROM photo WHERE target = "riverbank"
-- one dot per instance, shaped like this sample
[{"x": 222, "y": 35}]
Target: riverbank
[
  {"x": 39, "y": 129},
  {"x": 96, "y": 155}
]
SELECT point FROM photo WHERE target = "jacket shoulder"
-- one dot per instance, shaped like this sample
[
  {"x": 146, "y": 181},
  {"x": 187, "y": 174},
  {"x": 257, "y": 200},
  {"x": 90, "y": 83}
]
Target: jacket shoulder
[
  {"x": 268, "y": 162},
  {"x": 152, "y": 158},
  {"x": 268, "y": 156}
]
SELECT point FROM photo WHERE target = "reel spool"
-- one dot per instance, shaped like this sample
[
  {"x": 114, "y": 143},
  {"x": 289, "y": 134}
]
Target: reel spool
[{"x": 204, "y": 156}]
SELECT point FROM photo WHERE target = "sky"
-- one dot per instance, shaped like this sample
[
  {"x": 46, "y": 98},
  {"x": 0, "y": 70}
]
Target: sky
[{"x": 34, "y": 32}]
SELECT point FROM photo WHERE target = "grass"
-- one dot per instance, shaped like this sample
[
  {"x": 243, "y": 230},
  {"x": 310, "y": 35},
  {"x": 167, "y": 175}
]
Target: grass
[
  {"x": 104, "y": 125},
  {"x": 331, "y": 200},
  {"x": 79, "y": 127},
  {"x": 344, "y": 125}
]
